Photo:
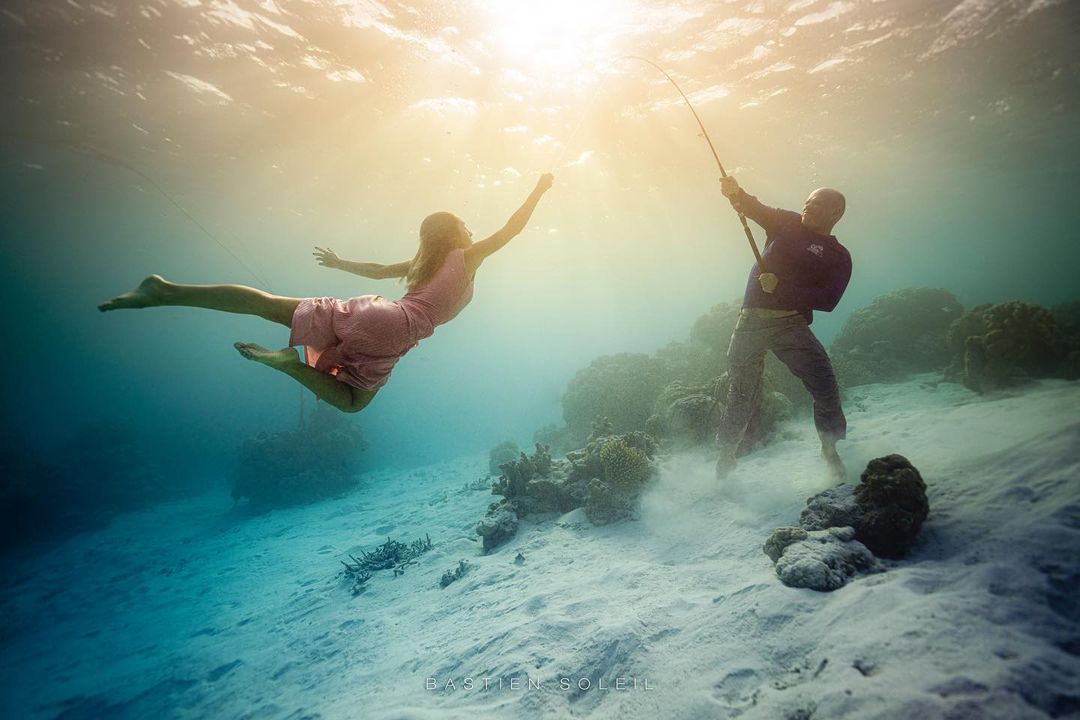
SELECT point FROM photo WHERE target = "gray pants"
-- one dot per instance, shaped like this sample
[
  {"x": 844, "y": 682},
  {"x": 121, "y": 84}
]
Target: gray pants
[{"x": 791, "y": 341}]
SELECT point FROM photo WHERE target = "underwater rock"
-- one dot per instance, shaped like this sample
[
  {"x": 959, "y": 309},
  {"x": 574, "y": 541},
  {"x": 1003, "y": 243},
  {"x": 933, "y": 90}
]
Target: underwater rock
[
  {"x": 782, "y": 537},
  {"x": 822, "y": 560},
  {"x": 835, "y": 507},
  {"x": 897, "y": 335},
  {"x": 891, "y": 499},
  {"x": 499, "y": 525},
  {"x": 501, "y": 454},
  {"x": 997, "y": 346}
]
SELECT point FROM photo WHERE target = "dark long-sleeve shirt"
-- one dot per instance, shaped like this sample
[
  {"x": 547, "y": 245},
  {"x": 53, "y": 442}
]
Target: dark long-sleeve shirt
[{"x": 813, "y": 270}]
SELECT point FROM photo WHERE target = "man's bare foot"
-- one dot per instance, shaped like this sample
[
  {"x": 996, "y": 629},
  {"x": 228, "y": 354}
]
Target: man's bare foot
[
  {"x": 726, "y": 462},
  {"x": 837, "y": 470},
  {"x": 271, "y": 358},
  {"x": 148, "y": 294}
]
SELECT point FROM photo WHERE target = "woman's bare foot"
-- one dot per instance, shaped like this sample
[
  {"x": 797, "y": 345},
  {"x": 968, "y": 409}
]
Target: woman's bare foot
[
  {"x": 149, "y": 293},
  {"x": 272, "y": 358}
]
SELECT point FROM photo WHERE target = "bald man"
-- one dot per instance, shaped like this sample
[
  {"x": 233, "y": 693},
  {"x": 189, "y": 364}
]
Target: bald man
[{"x": 807, "y": 270}]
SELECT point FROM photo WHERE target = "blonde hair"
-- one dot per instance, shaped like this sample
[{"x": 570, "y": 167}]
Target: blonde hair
[{"x": 438, "y": 236}]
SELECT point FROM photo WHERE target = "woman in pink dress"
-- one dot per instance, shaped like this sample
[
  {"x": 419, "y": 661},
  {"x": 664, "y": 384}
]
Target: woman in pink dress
[{"x": 350, "y": 346}]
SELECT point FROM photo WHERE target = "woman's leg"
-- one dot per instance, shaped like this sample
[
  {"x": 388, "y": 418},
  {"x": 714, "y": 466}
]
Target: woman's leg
[
  {"x": 155, "y": 291},
  {"x": 341, "y": 395}
]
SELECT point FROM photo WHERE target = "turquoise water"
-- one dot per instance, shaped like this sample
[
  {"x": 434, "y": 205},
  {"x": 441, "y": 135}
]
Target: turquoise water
[{"x": 952, "y": 128}]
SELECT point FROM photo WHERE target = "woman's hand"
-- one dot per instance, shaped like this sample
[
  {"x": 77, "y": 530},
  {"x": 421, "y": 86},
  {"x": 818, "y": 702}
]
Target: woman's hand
[
  {"x": 545, "y": 181},
  {"x": 326, "y": 257}
]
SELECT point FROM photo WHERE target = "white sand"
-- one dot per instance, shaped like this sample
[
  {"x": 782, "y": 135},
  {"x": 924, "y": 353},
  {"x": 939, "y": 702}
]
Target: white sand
[{"x": 193, "y": 610}]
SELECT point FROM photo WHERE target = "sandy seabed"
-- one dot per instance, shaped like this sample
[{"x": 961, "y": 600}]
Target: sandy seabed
[{"x": 194, "y": 610}]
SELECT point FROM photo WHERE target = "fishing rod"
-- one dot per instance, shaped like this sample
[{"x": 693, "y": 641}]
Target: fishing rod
[{"x": 723, "y": 174}]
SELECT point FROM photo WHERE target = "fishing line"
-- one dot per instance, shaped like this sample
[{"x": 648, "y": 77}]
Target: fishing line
[
  {"x": 581, "y": 121},
  {"x": 723, "y": 174},
  {"x": 95, "y": 154}
]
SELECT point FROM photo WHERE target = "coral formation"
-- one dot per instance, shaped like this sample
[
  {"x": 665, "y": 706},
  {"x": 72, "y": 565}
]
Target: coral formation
[
  {"x": 891, "y": 497},
  {"x": 686, "y": 414},
  {"x": 608, "y": 503},
  {"x": 675, "y": 394},
  {"x": 499, "y": 525},
  {"x": 996, "y": 346},
  {"x": 625, "y": 467},
  {"x": 822, "y": 560},
  {"x": 555, "y": 437},
  {"x": 586, "y": 462},
  {"x": 310, "y": 463},
  {"x": 501, "y": 454},
  {"x": 605, "y": 477},
  {"x": 621, "y": 387},
  {"x": 712, "y": 331},
  {"x": 897, "y": 335},
  {"x": 456, "y": 574}
]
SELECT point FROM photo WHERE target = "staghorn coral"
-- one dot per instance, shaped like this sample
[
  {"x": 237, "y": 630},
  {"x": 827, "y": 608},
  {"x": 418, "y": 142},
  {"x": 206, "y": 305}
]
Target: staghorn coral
[
  {"x": 391, "y": 555},
  {"x": 897, "y": 335}
]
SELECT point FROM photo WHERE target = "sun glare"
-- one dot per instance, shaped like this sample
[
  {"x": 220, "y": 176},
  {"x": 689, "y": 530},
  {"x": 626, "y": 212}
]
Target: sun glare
[{"x": 557, "y": 35}]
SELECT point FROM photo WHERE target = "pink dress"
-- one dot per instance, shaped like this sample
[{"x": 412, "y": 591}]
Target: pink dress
[{"x": 360, "y": 339}]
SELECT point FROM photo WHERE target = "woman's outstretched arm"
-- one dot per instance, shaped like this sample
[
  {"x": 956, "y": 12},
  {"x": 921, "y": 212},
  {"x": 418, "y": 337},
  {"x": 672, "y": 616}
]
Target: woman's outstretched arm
[
  {"x": 482, "y": 249},
  {"x": 376, "y": 271}
]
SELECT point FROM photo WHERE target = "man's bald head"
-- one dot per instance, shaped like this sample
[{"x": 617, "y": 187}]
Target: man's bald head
[{"x": 823, "y": 209}]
